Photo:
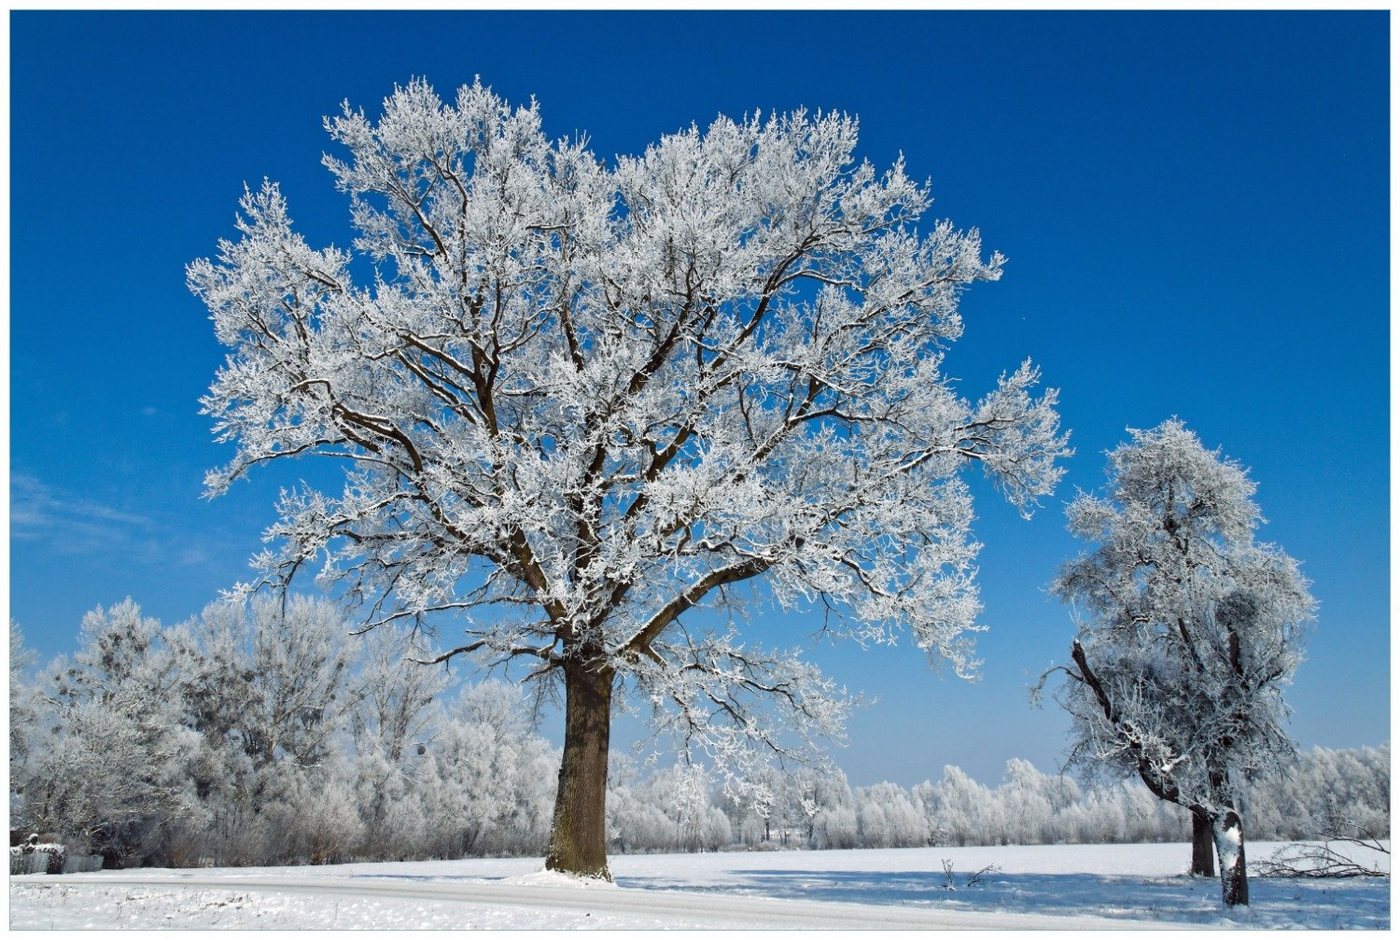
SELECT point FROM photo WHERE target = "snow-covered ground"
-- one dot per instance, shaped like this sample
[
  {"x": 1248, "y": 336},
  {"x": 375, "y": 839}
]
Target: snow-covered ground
[{"x": 1055, "y": 887}]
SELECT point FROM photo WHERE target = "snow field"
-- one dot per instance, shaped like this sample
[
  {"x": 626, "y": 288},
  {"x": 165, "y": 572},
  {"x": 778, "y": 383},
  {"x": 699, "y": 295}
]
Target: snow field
[{"x": 1034, "y": 887}]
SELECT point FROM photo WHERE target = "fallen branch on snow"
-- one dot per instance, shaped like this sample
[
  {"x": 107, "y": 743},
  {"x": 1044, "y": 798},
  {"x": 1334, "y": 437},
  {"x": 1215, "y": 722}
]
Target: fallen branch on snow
[{"x": 1305, "y": 860}]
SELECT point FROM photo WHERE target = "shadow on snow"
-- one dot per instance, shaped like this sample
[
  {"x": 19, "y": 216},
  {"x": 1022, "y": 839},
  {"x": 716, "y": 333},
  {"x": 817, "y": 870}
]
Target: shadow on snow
[{"x": 1275, "y": 902}]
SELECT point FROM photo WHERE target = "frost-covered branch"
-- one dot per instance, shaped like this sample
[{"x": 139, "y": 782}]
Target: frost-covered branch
[{"x": 734, "y": 703}]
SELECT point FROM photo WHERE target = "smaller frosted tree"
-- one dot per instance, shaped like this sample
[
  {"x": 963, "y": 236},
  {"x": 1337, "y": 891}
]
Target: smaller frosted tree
[
  {"x": 965, "y": 812},
  {"x": 114, "y": 772},
  {"x": 1188, "y": 633}
]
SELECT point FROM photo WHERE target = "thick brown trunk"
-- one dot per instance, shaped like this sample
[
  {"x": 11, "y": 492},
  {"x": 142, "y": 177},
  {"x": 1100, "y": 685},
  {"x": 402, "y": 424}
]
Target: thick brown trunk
[
  {"x": 578, "y": 839},
  {"x": 1202, "y": 846},
  {"x": 1229, "y": 846}
]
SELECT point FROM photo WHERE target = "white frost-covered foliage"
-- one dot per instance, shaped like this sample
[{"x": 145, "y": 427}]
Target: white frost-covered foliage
[
  {"x": 678, "y": 808},
  {"x": 488, "y": 788},
  {"x": 1189, "y": 630},
  {"x": 576, "y": 400},
  {"x": 1319, "y": 793},
  {"x": 115, "y": 772},
  {"x": 268, "y": 687},
  {"x": 265, "y": 733},
  {"x": 889, "y": 817},
  {"x": 24, "y": 705},
  {"x": 1324, "y": 793}
]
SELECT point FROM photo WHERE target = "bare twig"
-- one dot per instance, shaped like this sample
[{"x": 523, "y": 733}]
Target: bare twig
[
  {"x": 976, "y": 878},
  {"x": 1313, "y": 860}
]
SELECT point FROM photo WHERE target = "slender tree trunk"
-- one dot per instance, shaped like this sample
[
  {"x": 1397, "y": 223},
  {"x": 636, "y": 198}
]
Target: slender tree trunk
[
  {"x": 578, "y": 839},
  {"x": 1229, "y": 846},
  {"x": 1202, "y": 846}
]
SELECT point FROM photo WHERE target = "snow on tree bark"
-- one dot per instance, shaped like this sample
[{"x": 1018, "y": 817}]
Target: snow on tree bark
[
  {"x": 1228, "y": 833},
  {"x": 1188, "y": 632},
  {"x": 577, "y": 401}
]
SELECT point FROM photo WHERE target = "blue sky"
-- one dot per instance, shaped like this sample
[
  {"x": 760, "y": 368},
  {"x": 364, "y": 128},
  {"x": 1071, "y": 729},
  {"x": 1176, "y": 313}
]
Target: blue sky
[{"x": 1194, "y": 206}]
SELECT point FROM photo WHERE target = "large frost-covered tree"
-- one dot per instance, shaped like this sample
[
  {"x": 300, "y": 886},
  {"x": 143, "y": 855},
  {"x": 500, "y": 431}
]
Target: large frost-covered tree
[
  {"x": 576, "y": 400},
  {"x": 1189, "y": 631}
]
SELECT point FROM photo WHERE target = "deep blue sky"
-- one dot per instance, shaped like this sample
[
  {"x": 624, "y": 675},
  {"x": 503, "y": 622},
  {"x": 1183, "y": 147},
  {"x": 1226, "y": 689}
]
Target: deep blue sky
[{"x": 1194, "y": 206}]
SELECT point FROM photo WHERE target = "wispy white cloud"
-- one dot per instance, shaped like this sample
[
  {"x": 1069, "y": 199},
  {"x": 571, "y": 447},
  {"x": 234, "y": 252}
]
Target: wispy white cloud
[
  {"x": 66, "y": 522},
  {"x": 47, "y": 520}
]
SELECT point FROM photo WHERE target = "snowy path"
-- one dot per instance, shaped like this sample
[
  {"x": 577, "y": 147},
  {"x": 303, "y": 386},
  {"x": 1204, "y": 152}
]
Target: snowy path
[{"x": 637, "y": 907}]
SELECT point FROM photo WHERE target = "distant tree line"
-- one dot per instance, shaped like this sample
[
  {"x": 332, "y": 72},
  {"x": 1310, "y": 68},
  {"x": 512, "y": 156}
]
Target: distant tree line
[
  {"x": 267, "y": 734},
  {"x": 1325, "y": 792}
]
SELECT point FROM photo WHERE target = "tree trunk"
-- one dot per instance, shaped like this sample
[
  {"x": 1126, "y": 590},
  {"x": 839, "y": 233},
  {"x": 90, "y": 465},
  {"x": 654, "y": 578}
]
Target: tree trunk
[
  {"x": 578, "y": 839},
  {"x": 1202, "y": 846},
  {"x": 1229, "y": 846}
]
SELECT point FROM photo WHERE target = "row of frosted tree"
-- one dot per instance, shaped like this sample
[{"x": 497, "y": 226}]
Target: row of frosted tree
[
  {"x": 1324, "y": 792},
  {"x": 267, "y": 734}
]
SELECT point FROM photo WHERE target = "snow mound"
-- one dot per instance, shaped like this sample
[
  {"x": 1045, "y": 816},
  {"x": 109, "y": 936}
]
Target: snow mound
[{"x": 556, "y": 879}]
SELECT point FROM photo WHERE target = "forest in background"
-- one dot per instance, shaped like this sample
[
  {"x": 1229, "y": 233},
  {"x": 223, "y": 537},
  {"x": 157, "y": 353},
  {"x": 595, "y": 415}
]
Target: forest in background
[{"x": 268, "y": 734}]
